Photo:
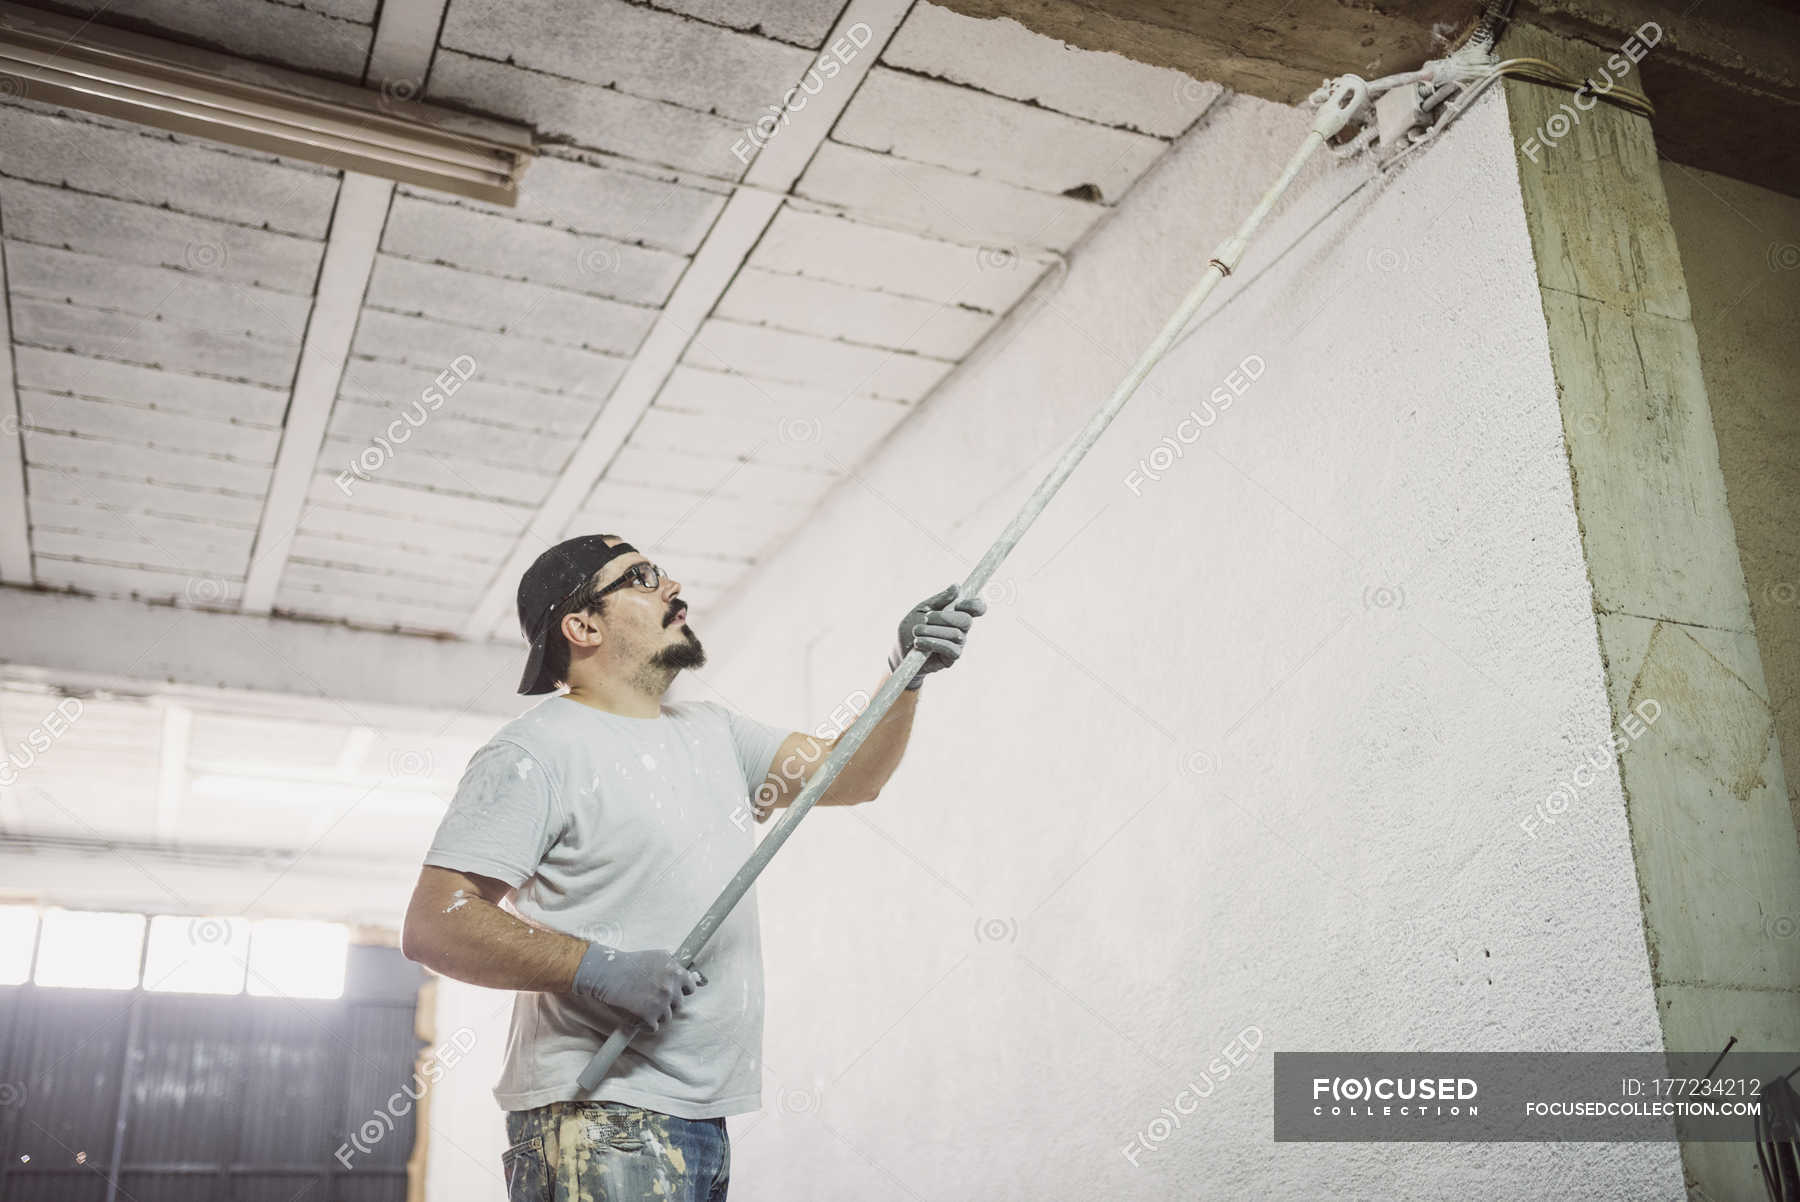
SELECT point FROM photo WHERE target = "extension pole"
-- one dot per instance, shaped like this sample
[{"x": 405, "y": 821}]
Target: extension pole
[{"x": 1347, "y": 97}]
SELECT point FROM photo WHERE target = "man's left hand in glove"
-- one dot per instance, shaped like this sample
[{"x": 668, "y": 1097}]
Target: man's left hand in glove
[{"x": 939, "y": 626}]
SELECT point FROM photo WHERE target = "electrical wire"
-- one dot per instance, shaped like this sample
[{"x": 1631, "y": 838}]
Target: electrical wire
[
  {"x": 1493, "y": 22},
  {"x": 1534, "y": 70}
]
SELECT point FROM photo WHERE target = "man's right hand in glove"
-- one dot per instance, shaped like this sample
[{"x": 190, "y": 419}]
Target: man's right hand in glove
[{"x": 645, "y": 985}]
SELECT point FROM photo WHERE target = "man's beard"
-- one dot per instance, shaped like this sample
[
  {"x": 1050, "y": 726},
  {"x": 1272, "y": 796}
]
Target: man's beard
[{"x": 686, "y": 654}]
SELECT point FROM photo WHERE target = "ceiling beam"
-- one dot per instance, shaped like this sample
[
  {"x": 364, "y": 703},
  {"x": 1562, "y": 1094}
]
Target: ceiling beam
[
  {"x": 356, "y": 224},
  {"x": 405, "y": 39},
  {"x": 172, "y": 769},
  {"x": 715, "y": 264},
  {"x": 781, "y": 160},
  {"x": 346, "y": 675},
  {"x": 1724, "y": 76},
  {"x": 15, "y": 525},
  {"x": 1276, "y": 55},
  {"x": 143, "y": 876},
  {"x": 1725, "y": 79},
  {"x": 399, "y": 60}
]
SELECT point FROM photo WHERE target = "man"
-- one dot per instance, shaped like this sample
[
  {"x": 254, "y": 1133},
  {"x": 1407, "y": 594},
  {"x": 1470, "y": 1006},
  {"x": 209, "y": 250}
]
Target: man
[{"x": 608, "y": 821}]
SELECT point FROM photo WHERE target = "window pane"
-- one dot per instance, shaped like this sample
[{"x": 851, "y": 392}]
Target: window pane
[
  {"x": 196, "y": 955},
  {"x": 289, "y": 958},
  {"x": 18, "y": 929},
  {"x": 90, "y": 949}
]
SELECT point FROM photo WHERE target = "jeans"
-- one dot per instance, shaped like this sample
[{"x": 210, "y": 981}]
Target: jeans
[{"x": 611, "y": 1152}]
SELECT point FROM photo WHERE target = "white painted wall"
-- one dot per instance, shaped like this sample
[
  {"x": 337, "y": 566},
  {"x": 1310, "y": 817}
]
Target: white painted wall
[
  {"x": 1251, "y": 749},
  {"x": 467, "y": 1130}
]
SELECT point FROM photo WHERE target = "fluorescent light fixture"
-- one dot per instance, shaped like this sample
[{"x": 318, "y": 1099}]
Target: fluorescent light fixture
[
  {"x": 96, "y": 69},
  {"x": 90, "y": 949},
  {"x": 200, "y": 954},
  {"x": 295, "y": 958}
]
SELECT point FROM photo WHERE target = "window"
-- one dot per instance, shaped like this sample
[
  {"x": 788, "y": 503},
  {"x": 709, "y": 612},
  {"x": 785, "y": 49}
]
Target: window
[
  {"x": 18, "y": 931},
  {"x": 202, "y": 954},
  {"x": 220, "y": 954},
  {"x": 91, "y": 949},
  {"x": 289, "y": 958}
]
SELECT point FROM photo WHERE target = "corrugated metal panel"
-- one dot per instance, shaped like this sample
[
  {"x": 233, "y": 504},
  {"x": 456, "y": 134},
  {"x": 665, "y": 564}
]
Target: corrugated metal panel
[
  {"x": 241, "y": 1098},
  {"x": 184, "y": 1100},
  {"x": 63, "y": 1052}
]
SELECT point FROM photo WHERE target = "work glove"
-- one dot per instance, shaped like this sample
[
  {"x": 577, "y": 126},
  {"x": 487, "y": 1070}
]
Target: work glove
[
  {"x": 940, "y": 631},
  {"x": 645, "y": 985}
]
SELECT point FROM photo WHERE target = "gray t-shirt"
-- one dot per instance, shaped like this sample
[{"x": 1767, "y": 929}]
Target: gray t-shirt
[{"x": 624, "y": 830}]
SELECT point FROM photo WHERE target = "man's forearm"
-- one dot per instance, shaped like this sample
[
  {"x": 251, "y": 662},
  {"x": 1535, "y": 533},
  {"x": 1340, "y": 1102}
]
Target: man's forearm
[
  {"x": 473, "y": 940},
  {"x": 879, "y": 755}
]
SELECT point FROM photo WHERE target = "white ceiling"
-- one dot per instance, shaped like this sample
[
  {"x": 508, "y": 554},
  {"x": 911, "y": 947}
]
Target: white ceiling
[{"x": 160, "y": 291}]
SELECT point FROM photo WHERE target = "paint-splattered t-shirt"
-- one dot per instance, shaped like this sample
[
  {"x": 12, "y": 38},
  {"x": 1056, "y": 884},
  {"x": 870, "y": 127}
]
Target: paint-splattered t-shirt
[{"x": 624, "y": 830}]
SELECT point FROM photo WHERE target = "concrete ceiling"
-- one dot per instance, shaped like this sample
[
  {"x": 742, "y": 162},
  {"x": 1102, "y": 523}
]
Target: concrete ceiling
[
  {"x": 671, "y": 337},
  {"x": 1724, "y": 75}
]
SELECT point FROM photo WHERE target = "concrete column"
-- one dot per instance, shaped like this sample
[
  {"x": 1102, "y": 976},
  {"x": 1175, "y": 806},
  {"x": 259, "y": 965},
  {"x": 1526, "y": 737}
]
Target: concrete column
[{"x": 1718, "y": 866}]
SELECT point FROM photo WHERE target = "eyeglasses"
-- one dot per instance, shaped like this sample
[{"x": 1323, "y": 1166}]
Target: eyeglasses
[{"x": 647, "y": 576}]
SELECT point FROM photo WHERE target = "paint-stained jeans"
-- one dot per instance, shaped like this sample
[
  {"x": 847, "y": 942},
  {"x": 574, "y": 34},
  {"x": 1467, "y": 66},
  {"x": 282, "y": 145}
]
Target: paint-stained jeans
[{"x": 611, "y": 1152}]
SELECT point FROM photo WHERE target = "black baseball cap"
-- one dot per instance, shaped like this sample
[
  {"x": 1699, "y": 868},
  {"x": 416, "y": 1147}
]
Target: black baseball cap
[{"x": 546, "y": 584}]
